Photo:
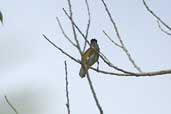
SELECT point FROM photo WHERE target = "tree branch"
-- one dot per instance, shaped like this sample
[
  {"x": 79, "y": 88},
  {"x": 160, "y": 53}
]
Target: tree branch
[
  {"x": 154, "y": 73},
  {"x": 61, "y": 50},
  {"x": 88, "y": 24},
  {"x": 76, "y": 26},
  {"x": 157, "y": 17},
  {"x": 94, "y": 94},
  {"x": 112, "y": 40},
  {"x": 67, "y": 91},
  {"x": 63, "y": 32},
  {"x": 163, "y": 29},
  {"x": 125, "y": 50},
  {"x": 12, "y": 107},
  {"x": 122, "y": 45}
]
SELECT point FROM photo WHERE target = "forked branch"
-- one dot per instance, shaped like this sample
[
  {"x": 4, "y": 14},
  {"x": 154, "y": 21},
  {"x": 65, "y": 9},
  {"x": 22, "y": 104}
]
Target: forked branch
[
  {"x": 155, "y": 15},
  {"x": 121, "y": 45}
]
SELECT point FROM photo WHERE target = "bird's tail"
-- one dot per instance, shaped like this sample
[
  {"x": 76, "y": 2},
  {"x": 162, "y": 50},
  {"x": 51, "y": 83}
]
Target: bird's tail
[{"x": 82, "y": 72}]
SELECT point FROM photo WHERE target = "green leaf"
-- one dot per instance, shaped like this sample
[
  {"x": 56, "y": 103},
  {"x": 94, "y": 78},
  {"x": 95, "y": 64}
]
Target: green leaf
[{"x": 1, "y": 17}]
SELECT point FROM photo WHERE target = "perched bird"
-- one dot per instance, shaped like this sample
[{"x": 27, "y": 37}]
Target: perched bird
[{"x": 90, "y": 56}]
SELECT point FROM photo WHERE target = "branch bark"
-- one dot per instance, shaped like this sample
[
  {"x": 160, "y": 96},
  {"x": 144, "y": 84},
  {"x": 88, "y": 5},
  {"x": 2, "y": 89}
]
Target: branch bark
[{"x": 67, "y": 90}]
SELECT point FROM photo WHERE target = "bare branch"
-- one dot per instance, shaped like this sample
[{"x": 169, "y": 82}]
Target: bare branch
[
  {"x": 157, "y": 17},
  {"x": 163, "y": 29},
  {"x": 120, "y": 39},
  {"x": 117, "y": 68},
  {"x": 112, "y": 40},
  {"x": 88, "y": 24},
  {"x": 73, "y": 27},
  {"x": 12, "y": 107},
  {"x": 67, "y": 91},
  {"x": 65, "y": 53},
  {"x": 154, "y": 73},
  {"x": 161, "y": 72},
  {"x": 126, "y": 73},
  {"x": 130, "y": 58},
  {"x": 94, "y": 94},
  {"x": 113, "y": 23},
  {"x": 64, "y": 32},
  {"x": 82, "y": 34},
  {"x": 109, "y": 72},
  {"x": 89, "y": 18}
]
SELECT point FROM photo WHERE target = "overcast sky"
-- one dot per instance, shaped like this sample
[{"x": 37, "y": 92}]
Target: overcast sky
[{"x": 32, "y": 71}]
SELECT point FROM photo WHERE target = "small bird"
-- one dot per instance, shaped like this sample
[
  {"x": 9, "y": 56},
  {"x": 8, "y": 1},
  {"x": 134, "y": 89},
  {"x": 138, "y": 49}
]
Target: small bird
[{"x": 90, "y": 56}]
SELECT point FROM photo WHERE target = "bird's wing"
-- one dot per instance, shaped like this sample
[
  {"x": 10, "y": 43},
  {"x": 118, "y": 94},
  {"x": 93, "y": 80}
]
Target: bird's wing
[{"x": 87, "y": 54}]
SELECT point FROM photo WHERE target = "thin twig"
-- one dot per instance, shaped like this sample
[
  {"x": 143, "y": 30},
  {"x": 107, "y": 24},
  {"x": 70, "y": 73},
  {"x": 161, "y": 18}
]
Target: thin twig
[
  {"x": 161, "y": 72},
  {"x": 94, "y": 94},
  {"x": 12, "y": 107},
  {"x": 89, "y": 18},
  {"x": 108, "y": 72},
  {"x": 63, "y": 32},
  {"x": 88, "y": 24},
  {"x": 73, "y": 27},
  {"x": 157, "y": 17},
  {"x": 82, "y": 34},
  {"x": 65, "y": 53},
  {"x": 154, "y": 73},
  {"x": 112, "y": 40},
  {"x": 67, "y": 91},
  {"x": 163, "y": 29},
  {"x": 106, "y": 60},
  {"x": 120, "y": 39}
]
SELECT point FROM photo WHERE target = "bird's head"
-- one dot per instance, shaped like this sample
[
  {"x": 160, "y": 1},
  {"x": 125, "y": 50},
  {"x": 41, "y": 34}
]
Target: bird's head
[{"x": 94, "y": 44}]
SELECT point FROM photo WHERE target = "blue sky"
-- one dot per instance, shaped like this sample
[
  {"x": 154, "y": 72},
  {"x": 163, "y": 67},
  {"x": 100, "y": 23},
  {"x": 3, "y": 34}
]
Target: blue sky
[{"x": 32, "y": 71}]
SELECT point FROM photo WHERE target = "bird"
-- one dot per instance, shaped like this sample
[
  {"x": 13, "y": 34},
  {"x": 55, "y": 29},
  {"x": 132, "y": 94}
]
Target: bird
[{"x": 90, "y": 57}]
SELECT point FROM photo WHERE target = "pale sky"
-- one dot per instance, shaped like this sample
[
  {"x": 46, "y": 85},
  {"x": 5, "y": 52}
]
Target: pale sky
[{"x": 32, "y": 71}]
